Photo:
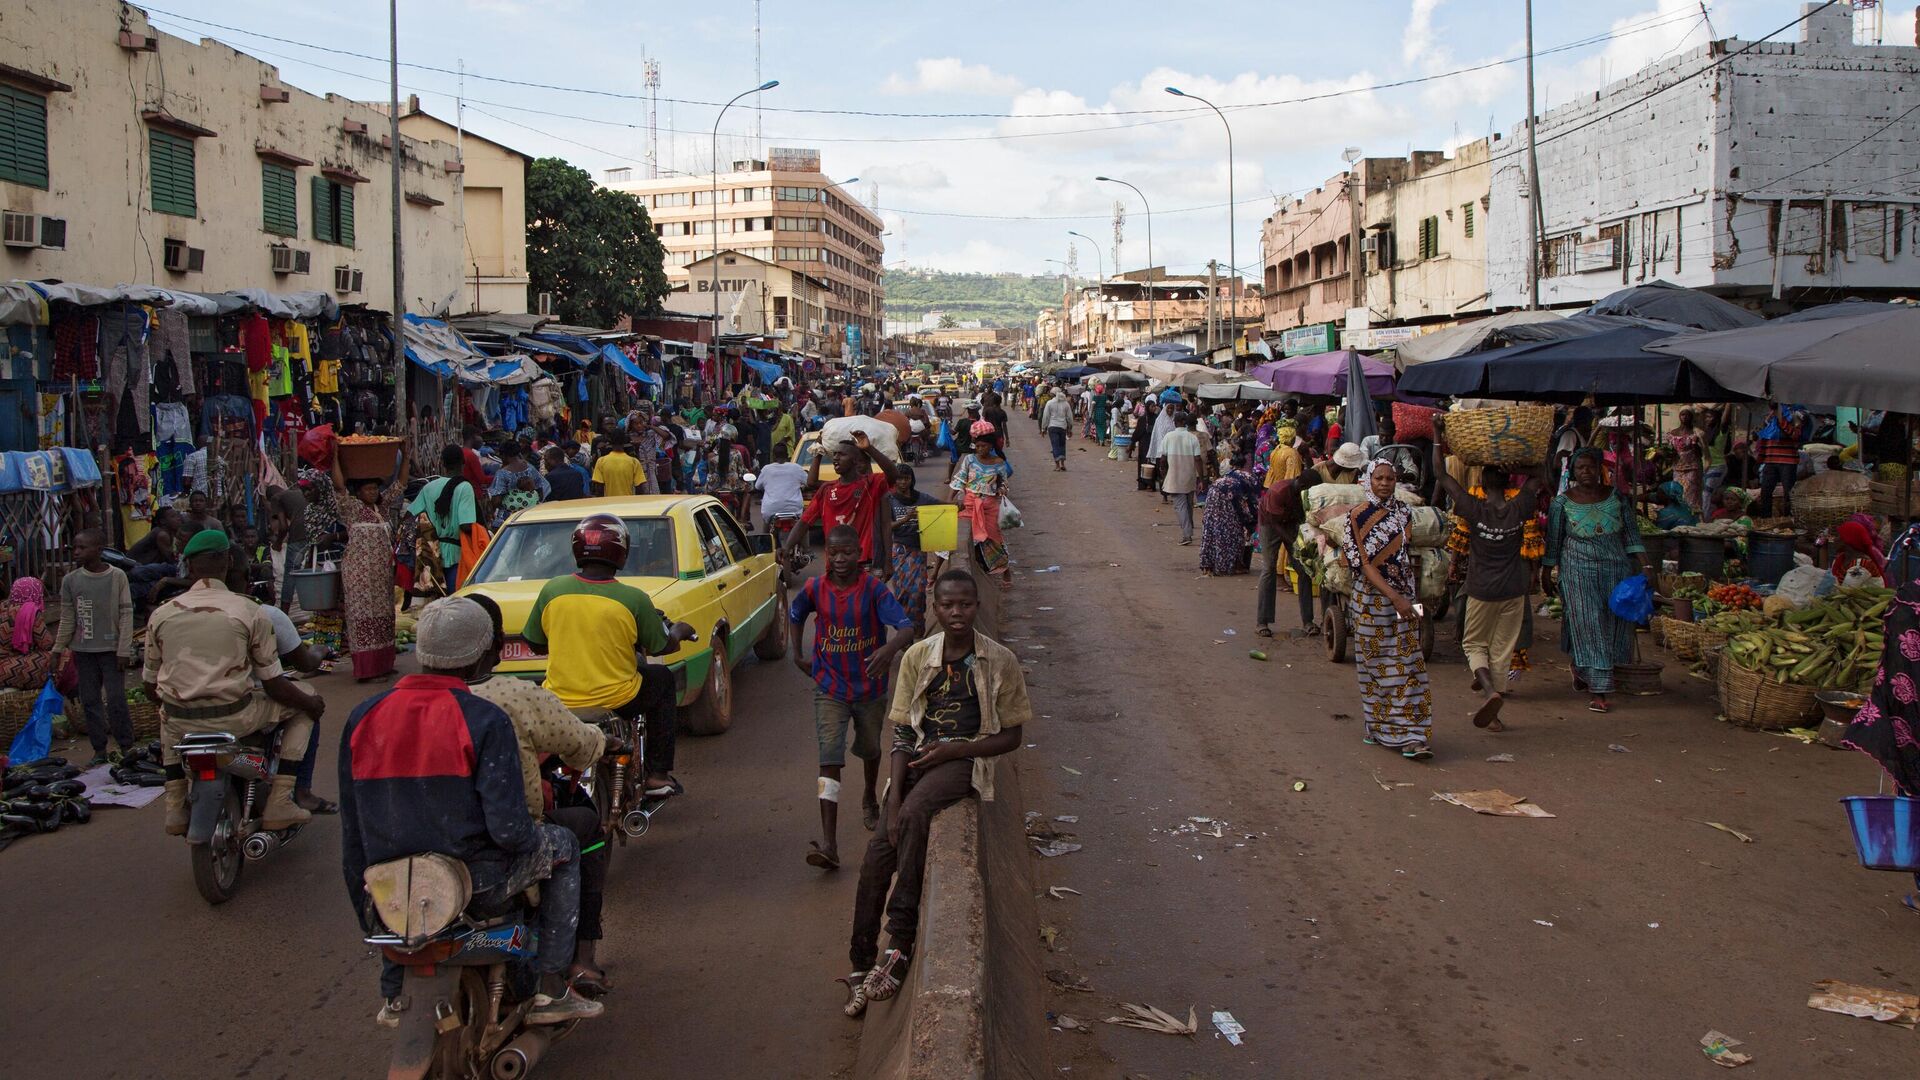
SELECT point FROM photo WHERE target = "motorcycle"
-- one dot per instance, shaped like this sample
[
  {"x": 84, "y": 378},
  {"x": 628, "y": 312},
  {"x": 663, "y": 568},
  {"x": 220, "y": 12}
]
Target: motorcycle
[
  {"x": 466, "y": 978},
  {"x": 228, "y": 781},
  {"x": 614, "y": 780}
]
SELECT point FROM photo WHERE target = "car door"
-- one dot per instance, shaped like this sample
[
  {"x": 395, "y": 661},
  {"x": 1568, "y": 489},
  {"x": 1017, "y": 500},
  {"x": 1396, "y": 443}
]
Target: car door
[
  {"x": 725, "y": 574},
  {"x": 760, "y": 574}
]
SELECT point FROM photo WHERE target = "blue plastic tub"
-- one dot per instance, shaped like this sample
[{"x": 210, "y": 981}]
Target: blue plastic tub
[{"x": 1886, "y": 831}]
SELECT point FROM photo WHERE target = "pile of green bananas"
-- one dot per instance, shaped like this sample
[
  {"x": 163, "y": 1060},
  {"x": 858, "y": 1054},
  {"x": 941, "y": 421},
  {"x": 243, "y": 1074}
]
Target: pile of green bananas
[{"x": 1831, "y": 645}]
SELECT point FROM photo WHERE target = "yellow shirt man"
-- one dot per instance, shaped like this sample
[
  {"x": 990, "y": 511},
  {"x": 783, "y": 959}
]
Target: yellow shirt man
[
  {"x": 616, "y": 473},
  {"x": 1283, "y": 464}
]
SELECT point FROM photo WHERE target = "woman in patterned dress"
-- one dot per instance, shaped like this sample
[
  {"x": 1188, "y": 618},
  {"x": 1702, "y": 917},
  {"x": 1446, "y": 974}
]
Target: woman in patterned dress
[
  {"x": 26, "y": 636},
  {"x": 912, "y": 567},
  {"x": 1394, "y": 696},
  {"x": 978, "y": 485},
  {"x": 1228, "y": 520},
  {"x": 1594, "y": 541},
  {"x": 367, "y": 507}
]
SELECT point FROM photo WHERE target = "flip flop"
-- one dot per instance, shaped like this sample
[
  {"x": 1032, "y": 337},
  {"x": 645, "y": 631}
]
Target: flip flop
[
  {"x": 1417, "y": 752},
  {"x": 818, "y": 856},
  {"x": 1598, "y": 705},
  {"x": 1488, "y": 712},
  {"x": 869, "y": 815},
  {"x": 320, "y": 806},
  {"x": 1265, "y": 631}
]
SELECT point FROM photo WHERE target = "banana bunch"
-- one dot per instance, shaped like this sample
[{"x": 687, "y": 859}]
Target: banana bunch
[{"x": 1834, "y": 644}]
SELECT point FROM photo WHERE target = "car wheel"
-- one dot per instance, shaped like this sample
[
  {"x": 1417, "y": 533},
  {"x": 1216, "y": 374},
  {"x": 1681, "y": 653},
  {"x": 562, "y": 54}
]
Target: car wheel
[{"x": 712, "y": 712}]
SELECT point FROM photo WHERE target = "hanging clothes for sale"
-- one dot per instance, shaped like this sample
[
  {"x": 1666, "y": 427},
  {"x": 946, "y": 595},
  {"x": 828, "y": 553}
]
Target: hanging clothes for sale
[
  {"x": 280, "y": 364},
  {"x": 171, "y": 422},
  {"x": 170, "y": 468},
  {"x": 228, "y": 415},
  {"x": 327, "y": 356},
  {"x": 123, "y": 345},
  {"x": 76, "y": 338},
  {"x": 256, "y": 341},
  {"x": 172, "y": 355},
  {"x": 132, "y": 487}
]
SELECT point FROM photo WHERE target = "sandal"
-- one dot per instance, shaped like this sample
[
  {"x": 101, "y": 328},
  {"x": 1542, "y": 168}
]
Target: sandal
[
  {"x": 1417, "y": 752},
  {"x": 821, "y": 857},
  {"x": 1265, "y": 631},
  {"x": 856, "y": 993},
  {"x": 870, "y": 815},
  {"x": 318, "y": 805},
  {"x": 884, "y": 980},
  {"x": 1488, "y": 713},
  {"x": 590, "y": 983},
  {"x": 1598, "y": 704}
]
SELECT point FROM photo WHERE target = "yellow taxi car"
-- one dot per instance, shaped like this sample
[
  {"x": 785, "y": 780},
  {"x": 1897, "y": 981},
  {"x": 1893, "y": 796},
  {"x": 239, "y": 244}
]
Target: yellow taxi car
[{"x": 688, "y": 555}]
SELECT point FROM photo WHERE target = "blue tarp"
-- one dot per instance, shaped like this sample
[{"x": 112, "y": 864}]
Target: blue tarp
[
  {"x": 61, "y": 469},
  {"x": 620, "y": 360},
  {"x": 767, "y": 372}
]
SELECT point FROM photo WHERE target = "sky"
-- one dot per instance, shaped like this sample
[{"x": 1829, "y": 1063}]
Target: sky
[{"x": 1001, "y": 189}]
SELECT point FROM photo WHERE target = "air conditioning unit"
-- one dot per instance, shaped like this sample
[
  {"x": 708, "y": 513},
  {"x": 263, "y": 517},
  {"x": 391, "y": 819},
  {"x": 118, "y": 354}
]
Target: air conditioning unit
[
  {"x": 302, "y": 262},
  {"x": 53, "y": 233},
  {"x": 182, "y": 259},
  {"x": 545, "y": 306},
  {"x": 282, "y": 258},
  {"x": 347, "y": 280},
  {"x": 1369, "y": 244},
  {"x": 21, "y": 230}
]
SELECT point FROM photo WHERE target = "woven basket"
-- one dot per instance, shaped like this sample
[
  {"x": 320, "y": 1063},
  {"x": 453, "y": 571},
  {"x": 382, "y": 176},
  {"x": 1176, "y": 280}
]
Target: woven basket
[
  {"x": 1750, "y": 699},
  {"x": 1709, "y": 639},
  {"x": 146, "y": 719},
  {"x": 1511, "y": 435},
  {"x": 1683, "y": 639},
  {"x": 16, "y": 708},
  {"x": 1657, "y": 629},
  {"x": 1825, "y": 509}
]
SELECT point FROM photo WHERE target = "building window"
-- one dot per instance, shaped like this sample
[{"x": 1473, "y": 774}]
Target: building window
[
  {"x": 279, "y": 214},
  {"x": 1466, "y": 218},
  {"x": 332, "y": 212},
  {"x": 170, "y": 169},
  {"x": 23, "y": 137},
  {"x": 1429, "y": 237},
  {"x": 798, "y": 194}
]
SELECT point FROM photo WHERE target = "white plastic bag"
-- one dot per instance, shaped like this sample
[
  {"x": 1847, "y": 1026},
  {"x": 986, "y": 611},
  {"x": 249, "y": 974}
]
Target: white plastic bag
[
  {"x": 1800, "y": 585},
  {"x": 841, "y": 428},
  {"x": 1009, "y": 514}
]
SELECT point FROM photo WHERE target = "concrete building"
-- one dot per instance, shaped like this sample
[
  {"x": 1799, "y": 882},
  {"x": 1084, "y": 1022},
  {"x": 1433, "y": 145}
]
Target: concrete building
[
  {"x": 1116, "y": 313},
  {"x": 1771, "y": 171},
  {"x": 1307, "y": 252},
  {"x": 492, "y": 205},
  {"x": 1423, "y": 240},
  {"x": 782, "y": 210},
  {"x": 129, "y": 156},
  {"x": 757, "y": 297}
]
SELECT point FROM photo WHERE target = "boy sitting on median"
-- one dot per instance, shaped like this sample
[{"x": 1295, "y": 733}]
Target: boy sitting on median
[{"x": 959, "y": 703}]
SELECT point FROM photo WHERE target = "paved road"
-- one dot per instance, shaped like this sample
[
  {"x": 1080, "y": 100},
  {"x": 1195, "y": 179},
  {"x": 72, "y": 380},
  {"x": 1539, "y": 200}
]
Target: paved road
[
  {"x": 1356, "y": 930},
  {"x": 116, "y": 967}
]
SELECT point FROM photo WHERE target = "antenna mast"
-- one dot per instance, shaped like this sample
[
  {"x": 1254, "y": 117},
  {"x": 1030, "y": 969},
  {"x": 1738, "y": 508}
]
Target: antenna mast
[{"x": 653, "y": 118}]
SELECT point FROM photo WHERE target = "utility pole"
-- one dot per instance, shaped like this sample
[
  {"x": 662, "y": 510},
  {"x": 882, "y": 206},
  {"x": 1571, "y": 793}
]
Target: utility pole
[
  {"x": 1536, "y": 218},
  {"x": 399, "y": 279},
  {"x": 1213, "y": 290}
]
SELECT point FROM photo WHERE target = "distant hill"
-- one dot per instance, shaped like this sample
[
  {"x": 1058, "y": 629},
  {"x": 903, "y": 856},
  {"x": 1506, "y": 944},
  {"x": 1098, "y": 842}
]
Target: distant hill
[{"x": 994, "y": 299}]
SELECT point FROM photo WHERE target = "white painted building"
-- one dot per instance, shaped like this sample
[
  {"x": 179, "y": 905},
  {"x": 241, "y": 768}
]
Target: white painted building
[{"x": 1788, "y": 169}]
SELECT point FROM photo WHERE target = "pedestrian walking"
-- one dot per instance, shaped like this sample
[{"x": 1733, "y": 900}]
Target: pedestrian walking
[
  {"x": 96, "y": 632},
  {"x": 1182, "y": 453},
  {"x": 1593, "y": 540},
  {"x": 1280, "y": 514},
  {"x": 1229, "y": 520},
  {"x": 852, "y": 650},
  {"x": 1498, "y": 576},
  {"x": 448, "y": 506},
  {"x": 911, "y": 566},
  {"x": 961, "y": 703},
  {"x": 367, "y": 505},
  {"x": 1057, "y": 417},
  {"x": 565, "y": 480},
  {"x": 1777, "y": 449},
  {"x": 864, "y": 478},
  {"x": 979, "y": 484},
  {"x": 1394, "y": 694}
]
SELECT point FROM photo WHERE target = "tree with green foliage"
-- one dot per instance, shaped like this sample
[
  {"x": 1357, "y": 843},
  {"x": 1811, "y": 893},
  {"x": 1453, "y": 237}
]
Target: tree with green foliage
[
  {"x": 947, "y": 323},
  {"x": 592, "y": 248},
  {"x": 993, "y": 299}
]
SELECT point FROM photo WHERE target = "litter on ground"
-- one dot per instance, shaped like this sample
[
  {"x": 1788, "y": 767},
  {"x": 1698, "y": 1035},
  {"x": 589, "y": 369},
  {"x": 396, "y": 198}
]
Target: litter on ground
[
  {"x": 1719, "y": 1049},
  {"x": 1148, "y": 1018},
  {"x": 1228, "y": 1027},
  {"x": 1730, "y": 831},
  {"x": 1495, "y": 802},
  {"x": 1851, "y": 999},
  {"x": 1501, "y": 758},
  {"x": 1061, "y": 892}
]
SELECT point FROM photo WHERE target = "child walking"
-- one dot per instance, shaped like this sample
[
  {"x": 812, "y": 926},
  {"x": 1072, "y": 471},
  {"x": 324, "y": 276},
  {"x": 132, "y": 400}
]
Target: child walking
[{"x": 96, "y": 629}]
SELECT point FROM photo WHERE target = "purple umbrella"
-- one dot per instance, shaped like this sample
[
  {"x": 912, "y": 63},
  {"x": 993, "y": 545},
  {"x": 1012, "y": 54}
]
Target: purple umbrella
[{"x": 1323, "y": 374}]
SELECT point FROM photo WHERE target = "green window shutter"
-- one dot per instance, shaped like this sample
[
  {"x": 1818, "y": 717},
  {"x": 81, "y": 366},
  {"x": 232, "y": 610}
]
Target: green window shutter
[
  {"x": 23, "y": 137},
  {"x": 279, "y": 214},
  {"x": 323, "y": 227},
  {"x": 1466, "y": 211},
  {"x": 170, "y": 167},
  {"x": 344, "y": 215}
]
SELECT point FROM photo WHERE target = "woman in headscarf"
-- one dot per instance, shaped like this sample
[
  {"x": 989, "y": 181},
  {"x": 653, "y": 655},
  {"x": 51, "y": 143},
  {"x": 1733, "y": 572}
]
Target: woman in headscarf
[
  {"x": 1594, "y": 541},
  {"x": 978, "y": 485},
  {"x": 368, "y": 505},
  {"x": 26, "y": 637},
  {"x": 1675, "y": 510},
  {"x": 1228, "y": 520},
  {"x": 1102, "y": 412},
  {"x": 1687, "y": 443},
  {"x": 1859, "y": 546},
  {"x": 911, "y": 566},
  {"x": 1394, "y": 696}
]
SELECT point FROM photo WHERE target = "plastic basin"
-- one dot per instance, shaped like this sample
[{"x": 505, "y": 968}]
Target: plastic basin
[{"x": 1886, "y": 831}]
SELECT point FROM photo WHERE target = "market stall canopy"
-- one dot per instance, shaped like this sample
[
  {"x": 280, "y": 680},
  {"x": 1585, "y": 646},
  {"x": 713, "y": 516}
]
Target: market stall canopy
[
  {"x": 1161, "y": 350},
  {"x": 1176, "y": 373},
  {"x": 1869, "y": 361},
  {"x": 1238, "y": 391},
  {"x": 1111, "y": 379},
  {"x": 1465, "y": 338},
  {"x": 767, "y": 372},
  {"x": 1576, "y": 326},
  {"x": 1672, "y": 303},
  {"x": 1844, "y": 308},
  {"x": 1107, "y": 361},
  {"x": 1323, "y": 374},
  {"x": 1360, "y": 423},
  {"x": 1613, "y": 368},
  {"x": 444, "y": 351},
  {"x": 300, "y": 305}
]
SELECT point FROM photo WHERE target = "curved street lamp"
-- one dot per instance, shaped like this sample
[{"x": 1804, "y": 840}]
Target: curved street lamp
[
  {"x": 715, "y": 196},
  {"x": 1101, "y": 267},
  {"x": 1153, "y": 325},
  {"x": 1232, "y": 257}
]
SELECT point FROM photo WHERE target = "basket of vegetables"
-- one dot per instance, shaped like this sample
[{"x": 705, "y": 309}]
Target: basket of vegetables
[{"x": 1770, "y": 674}]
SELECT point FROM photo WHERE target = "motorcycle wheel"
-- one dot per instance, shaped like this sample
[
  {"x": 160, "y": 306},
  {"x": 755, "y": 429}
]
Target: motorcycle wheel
[
  {"x": 217, "y": 863},
  {"x": 456, "y": 1052}
]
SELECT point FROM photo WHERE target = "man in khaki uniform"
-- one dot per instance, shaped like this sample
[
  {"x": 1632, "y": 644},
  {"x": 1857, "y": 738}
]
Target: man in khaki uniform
[{"x": 204, "y": 649}]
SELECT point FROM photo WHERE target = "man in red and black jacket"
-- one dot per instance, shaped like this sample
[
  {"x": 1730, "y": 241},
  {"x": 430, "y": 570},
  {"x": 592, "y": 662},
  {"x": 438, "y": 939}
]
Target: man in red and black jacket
[{"x": 429, "y": 767}]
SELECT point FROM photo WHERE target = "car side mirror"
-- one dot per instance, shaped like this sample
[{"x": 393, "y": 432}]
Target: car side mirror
[{"x": 761, "y": 543}]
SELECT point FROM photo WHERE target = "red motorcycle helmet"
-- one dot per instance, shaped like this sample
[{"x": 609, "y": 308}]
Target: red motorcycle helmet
[{"x": 601, "y": 538}]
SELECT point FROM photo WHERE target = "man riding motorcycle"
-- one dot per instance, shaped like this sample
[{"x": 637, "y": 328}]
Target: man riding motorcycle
[
  {"x": 427, "y": 767},
  {"x": 593, "y": 629},
  {"x": 204, "y": 649}
]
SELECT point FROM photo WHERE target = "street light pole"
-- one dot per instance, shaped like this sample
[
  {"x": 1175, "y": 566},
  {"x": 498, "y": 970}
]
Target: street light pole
[
  {"x": 1153, "y": 325},
  {"x": 1233, "y": 258},
  {"x": 1099, "y": 286},
  {"x": 1536, "y": 217},
  {"x": 400, "y": 425},
  {"x": 715, "y": 196},
  {"x": 1066, "y": 305}
]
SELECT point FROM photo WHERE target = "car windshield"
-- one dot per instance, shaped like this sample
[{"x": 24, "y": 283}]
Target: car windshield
[
  {"x": 537, "y": 550},
  {"x": 808, "y": 451}
]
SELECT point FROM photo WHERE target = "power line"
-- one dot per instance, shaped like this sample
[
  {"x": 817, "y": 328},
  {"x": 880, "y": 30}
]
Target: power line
[{"x": 1175, "y": 112}]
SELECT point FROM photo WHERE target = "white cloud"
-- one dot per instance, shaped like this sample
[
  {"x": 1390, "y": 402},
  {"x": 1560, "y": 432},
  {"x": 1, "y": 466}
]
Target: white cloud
[
  {"x": 909, "y": 176},
  {"x": 974, "y": 256},
  {"x": 1634, "y": 48},
  {"x": 950, "y": 75},
  {"x": 1417, "y": 40}
]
